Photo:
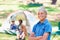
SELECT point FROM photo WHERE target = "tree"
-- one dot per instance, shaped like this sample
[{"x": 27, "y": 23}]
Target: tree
[
  {"x": 54, "y": 2},
  {"x": 33, "y": 0}
]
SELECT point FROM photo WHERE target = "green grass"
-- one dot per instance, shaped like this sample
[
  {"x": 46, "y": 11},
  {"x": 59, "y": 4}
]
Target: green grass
[
  {"x": 31, "y": 8},
  {"x": 55, "y": 37},
  {"x": 11, "y": 37},
  {"x": 6, "y": 37},
  {"x": 49, "y": 9}
]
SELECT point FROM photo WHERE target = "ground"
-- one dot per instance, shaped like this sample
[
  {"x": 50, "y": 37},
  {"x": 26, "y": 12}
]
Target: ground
[
  {"x": 7, "y": 37},
  {"x": 11, "y": 37}
]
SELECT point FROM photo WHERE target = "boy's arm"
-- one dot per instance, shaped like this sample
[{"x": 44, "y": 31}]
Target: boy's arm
[
  {"x": 35, "y": 38},
  {"x": 32, "y": 37},
  {"x": 44, "y": 37}
]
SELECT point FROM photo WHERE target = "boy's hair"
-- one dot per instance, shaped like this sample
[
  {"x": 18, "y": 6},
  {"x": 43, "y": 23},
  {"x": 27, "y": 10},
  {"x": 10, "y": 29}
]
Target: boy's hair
[
  {"x": 42, "y": 9},
  {"x": 12, "y": 21}
]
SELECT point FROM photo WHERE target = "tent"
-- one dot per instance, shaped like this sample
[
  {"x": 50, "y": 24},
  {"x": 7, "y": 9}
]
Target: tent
[{"x": 29, "y": 17}]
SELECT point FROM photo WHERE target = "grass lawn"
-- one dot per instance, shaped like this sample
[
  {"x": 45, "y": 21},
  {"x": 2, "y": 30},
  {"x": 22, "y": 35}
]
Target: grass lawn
[
  {"x": 7, "y": 37},
  {"x": 4, "y": 36},
  {"x": 55, "y": 37},
  {"x": 11, "y": 37}
]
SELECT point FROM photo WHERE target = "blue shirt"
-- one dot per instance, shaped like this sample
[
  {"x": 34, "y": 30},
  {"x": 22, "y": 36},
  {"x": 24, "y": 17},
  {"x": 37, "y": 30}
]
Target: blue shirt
[
  {"x": 13, "y": 27},
  {"x": 40, "y": 28}
]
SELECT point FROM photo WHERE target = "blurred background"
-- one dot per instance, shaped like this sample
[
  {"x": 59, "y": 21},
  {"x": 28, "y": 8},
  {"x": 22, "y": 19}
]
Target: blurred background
[{"x": 52, "y": 7}]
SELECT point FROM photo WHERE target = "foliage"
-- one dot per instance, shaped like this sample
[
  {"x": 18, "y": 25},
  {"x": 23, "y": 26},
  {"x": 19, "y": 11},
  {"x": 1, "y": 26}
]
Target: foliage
[
  {"x": 54, "y": 23},
  {"x": 0, "y": 24}
]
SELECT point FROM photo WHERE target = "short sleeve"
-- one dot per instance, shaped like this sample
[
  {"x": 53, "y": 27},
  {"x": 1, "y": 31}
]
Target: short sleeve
[
  {"x": 34, "y": 28},
  {"x": 48, "y": 28}
]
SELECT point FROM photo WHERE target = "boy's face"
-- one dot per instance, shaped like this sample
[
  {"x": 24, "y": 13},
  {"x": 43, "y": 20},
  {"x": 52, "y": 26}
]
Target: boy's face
[
  {"x": 41, "y": 15},
  {"x": 13, "y": 22}
]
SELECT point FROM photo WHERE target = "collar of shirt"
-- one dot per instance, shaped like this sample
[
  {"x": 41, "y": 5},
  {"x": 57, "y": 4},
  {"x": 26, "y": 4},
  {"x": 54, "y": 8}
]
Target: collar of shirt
[{"x": 45, "y": 21}]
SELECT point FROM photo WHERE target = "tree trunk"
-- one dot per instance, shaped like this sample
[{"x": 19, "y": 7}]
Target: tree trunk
[
  {"x": 33, "y": 0},
  {"x": 54, "y": 2}
]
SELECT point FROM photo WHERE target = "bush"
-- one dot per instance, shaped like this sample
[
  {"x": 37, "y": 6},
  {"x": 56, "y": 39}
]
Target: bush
[
  {"x": 54, "y": 23},
  {"x": 34, "y": 5}
]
